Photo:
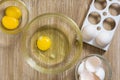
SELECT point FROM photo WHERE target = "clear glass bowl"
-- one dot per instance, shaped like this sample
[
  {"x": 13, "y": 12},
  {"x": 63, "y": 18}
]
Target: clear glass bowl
[
  {"x": 105, "y": 64},
  {"x": 66, "y": 43},
  {"x": 24, "y": 19}
]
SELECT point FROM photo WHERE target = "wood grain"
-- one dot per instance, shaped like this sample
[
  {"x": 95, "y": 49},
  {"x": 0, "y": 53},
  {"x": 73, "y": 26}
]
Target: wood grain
[{"x": 12, "y": 64}]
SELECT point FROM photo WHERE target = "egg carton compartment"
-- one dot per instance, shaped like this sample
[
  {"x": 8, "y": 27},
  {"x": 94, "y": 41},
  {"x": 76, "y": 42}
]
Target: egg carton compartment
[{"x": 101, "y": 22}]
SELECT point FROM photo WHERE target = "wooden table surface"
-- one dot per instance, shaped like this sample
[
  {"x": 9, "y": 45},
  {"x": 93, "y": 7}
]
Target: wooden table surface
[{"x": 12, "y": 64}]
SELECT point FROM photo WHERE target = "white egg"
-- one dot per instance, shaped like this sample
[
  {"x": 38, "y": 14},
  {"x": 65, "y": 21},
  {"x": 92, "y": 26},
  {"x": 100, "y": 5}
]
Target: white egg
[
  {"x": 92, "y": 64},
  {"x": 89, "y": 32},
  {"x": 103, "y": 39},
  {"x": 81, "y": 68},
  {"x": 100, "y": 73}
]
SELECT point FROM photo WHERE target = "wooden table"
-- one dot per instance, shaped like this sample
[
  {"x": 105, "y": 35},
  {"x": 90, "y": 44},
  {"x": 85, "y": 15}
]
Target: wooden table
[{"x": 12, "y": 65}]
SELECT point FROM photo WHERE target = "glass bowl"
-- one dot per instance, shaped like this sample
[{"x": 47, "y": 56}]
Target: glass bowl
[
  {"x": 23, "y": 20},
  {"x": 66, "y": 43},
  {"x": 105, "y": 66}
]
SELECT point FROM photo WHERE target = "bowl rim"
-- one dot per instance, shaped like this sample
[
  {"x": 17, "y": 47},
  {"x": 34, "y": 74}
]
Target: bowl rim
[
  {"x": 99, "y": 56},
  {"x": 16, "y": 31},
  {"x": 66, "y": 67}
]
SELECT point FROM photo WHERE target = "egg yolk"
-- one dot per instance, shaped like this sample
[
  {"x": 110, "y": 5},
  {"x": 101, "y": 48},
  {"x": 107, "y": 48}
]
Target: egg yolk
[
  {"x": 43, "y": 43},
  {"x": 10, "y": 22},
  {"x": 13, "y": 11}
]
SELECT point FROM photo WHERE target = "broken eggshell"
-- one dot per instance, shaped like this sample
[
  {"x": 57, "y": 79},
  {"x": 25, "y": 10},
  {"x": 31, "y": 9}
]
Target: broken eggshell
[
  {"x": 86, "y": 75},
  {"x": 89, "y": 32},
  {"x": 100, "y": 73},
  {"x": 81, "y": 68},
  {"x": 93, "y": 63}
]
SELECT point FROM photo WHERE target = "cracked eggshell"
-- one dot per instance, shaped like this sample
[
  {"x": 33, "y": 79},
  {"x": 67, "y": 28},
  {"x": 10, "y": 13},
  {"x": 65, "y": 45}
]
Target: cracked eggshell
[
  {"x": 93, "y": 63},
  {"x": 103, "y": 39},
  {"x": 88, "y": 76},
  {"x": 89, "y": 32},
  {"x": 100, "y": 73},
  {"x": 81, "y": 68}
]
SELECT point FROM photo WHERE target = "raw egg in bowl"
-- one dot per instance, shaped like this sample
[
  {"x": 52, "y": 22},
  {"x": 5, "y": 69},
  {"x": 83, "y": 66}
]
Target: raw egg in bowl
[{"x": 52, "y": 43}]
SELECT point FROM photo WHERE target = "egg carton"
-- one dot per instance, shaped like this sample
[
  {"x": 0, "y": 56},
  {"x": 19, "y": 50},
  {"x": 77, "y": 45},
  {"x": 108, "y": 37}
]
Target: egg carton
[{"x": 101, "y": 22}]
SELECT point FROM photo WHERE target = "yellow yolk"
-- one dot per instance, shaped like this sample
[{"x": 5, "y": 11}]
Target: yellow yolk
[
  {"x": 43, "y": 43},
  {"x": 13, "y": 11},
  {"x": 10, "y": 22}
]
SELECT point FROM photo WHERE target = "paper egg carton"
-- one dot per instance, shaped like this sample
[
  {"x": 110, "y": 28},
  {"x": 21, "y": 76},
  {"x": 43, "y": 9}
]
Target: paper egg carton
[{"x": 94, "y": 29}]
